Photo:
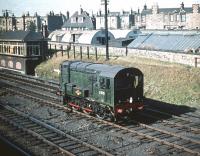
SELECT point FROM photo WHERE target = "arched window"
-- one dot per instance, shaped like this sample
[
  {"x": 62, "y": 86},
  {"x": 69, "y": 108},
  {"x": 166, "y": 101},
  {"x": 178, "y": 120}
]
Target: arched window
[{"x": 10, "y": 64}]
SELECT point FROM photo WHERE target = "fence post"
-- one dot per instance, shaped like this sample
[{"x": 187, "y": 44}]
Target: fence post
[
  {"x": 67, "y": 53},
  {"x": 81, "y": 55},
  {"x": 195, "y": 62},
  {"x": 96, "y": 53},
  {"x": 55, "y": 50},
  {"x": 126, "y": 50},
  {"x": 62, "y": 50},
  {"x": 74, "y": 51},
  {"x": 88, "y": 55}
]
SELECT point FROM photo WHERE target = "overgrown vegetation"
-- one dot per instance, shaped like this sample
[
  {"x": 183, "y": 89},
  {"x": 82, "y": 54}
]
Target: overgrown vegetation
[{"x": 167, "y": 82}]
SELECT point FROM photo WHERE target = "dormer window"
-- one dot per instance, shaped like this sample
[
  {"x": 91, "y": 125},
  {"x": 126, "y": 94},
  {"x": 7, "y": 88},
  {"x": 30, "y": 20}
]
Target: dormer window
[
  {"x": 80, "y": 20},
  {"x": 73, "y": 20}
]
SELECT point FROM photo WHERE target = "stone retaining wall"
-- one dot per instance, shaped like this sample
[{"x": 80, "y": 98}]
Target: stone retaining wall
[{"x": 187, "y": 59}]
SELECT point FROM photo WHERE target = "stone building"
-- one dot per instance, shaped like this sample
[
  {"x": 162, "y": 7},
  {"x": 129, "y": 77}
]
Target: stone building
[
  {"x": 116, "y": 20},
  {"x": 80, "y": 21},
  {"x": 37, "y": 23},
  {"x": 7, "y": 22},
  {"x": 127, "y": 19},
  {"x": 28, "y": 22},
  {"x": 168, "y": 18},
  {"x": 113, "y": 20}
]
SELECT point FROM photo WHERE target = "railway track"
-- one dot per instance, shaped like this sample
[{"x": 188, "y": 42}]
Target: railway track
[
  {"x": 12, "y": 149},
  {"x": 175, "y": 121},
  {"x": 42, "y": 134},
  {"x": 47, "y": 86},
  {"x": 136, "y": 129},
  {"x": 172, "y": 121},
  {"x": 172, "y": 141}
]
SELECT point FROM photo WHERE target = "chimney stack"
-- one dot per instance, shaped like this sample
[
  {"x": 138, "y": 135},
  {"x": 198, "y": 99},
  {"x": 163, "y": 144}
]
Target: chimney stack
[
  {"x": 195, "y": 8},
  {"x": 67, "y": 14},
  {"x": 182, "y": 5}
]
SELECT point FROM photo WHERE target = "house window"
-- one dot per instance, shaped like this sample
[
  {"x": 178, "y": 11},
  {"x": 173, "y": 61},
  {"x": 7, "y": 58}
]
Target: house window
[
  {"x": 183, "y": 18},
  {"x": 73, "y": 20},
  {"x": 166, "y": 18},
  {"x": 138, "y": 18},
  {"x": 143, "y": 18},
  {"x": 80, "y": 20},
  {"x": 177, "y": 17},
  {"x": 3, "y": 63},
  {"x": 171, "y": 18}
]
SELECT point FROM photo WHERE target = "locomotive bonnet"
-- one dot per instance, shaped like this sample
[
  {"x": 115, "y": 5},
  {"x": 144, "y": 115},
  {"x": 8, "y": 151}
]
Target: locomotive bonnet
[{"x": 107, "y": 91}]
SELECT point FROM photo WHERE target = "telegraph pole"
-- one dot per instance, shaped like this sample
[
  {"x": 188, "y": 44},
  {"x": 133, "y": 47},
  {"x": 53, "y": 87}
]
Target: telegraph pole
[{"x": 105, "y": 2}]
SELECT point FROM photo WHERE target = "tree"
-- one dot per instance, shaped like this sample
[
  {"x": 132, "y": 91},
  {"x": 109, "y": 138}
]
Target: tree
[{"x": 31, "y": 26}]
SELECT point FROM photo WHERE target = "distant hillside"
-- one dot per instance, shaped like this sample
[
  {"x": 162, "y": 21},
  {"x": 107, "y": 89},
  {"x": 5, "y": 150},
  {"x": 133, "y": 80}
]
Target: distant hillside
[{"x": 167, "y": 82}]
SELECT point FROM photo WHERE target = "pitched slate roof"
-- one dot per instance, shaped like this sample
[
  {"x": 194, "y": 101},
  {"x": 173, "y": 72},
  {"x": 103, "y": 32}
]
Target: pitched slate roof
[
  {"x": 54, "y": 22},
  {"x": 87, "y": 23},
  {"x": 21, "y": 36},
  {"x": 167, "y": 10}
]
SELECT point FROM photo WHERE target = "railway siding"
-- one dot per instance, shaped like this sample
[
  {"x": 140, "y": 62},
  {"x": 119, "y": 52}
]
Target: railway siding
[{"x": 85, "y": 127}]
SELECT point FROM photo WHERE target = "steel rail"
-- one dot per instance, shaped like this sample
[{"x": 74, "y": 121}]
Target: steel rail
[
  {"x": 173, "y": 123},
  {"x": 25, "y": 153},
  {"x": 35, "y": 135},
  {"x": 154, "y": 138},
  {"x": 34, "y": 120},
  {"x": 27, "y": 83}
]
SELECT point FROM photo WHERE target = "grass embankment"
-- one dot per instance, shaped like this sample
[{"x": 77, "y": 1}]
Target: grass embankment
[{"x": 167, "y": 82}]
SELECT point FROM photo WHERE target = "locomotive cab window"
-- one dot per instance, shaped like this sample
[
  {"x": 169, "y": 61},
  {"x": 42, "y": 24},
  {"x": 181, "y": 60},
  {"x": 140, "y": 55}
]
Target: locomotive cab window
[
  {"x": 107, "y": 83},
  {"x": 102, "y": 83},
  {"x": 136, "y": 81}
]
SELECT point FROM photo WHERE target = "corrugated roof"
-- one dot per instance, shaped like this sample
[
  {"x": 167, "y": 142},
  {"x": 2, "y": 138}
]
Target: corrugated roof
[
  {"x": 67, "y": 37},
  {"x": 125, "y": 33},
  {"x": 87, "y": 36},
  {"x": 21, "y": 36},
  {"x": 167, "y": 41},
  {"x": 53, "y": 36},
  {"x": 90, "y": 37},
  {"x": 120, "y": 33}
]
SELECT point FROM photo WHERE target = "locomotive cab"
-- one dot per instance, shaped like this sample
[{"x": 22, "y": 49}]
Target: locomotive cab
[{"x": 128, "y": 93}]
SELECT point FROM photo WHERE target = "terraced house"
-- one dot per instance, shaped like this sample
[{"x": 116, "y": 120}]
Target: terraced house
[
  {"x": 169, "y": 18},
  {"x": 80, "y": 21}
]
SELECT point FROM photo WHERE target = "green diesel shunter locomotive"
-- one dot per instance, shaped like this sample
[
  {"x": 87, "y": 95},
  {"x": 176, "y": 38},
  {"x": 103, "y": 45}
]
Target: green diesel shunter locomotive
[{"x": 107, "y": 91}]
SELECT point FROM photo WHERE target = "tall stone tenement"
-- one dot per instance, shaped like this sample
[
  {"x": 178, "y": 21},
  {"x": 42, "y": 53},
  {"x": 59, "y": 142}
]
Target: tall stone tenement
[{"x": 169, "y": 18}]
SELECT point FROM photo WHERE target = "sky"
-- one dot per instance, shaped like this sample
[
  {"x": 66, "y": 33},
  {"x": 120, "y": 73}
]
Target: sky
[{"x": 42, "y": 7}]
